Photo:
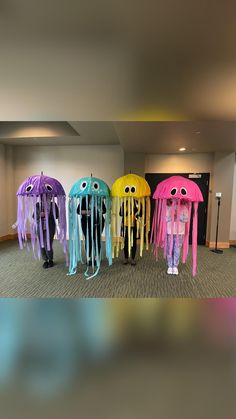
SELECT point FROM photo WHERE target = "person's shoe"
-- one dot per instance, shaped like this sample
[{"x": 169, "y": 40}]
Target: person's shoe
[
  {"x": 175, "y": 271},
  {"x": 133, "y": 263},
  {"x": 126, "y": 261},
  {"x": 45, "y": 265},
  {"x": 170, "y": 271},
  {"x": 50, "y": 263}
]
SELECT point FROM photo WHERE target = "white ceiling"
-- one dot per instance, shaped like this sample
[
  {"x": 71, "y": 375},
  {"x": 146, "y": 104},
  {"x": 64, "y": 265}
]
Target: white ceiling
[
  {"x": 168, "y": 137},
  {"x": 23, "y": 130},
  {"x": 141, "y": 137},
  {"x": 58, "y": 133}
]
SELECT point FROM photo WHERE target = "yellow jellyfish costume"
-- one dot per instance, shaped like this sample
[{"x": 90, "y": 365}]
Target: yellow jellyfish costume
[{"x": 128, "y": 192}]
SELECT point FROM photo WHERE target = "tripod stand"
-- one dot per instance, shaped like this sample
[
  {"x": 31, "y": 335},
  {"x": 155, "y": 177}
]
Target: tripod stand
[{"x": 216, "y": 250}]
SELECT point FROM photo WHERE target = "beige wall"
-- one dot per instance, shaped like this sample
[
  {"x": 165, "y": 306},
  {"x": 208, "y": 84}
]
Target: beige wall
[
  {"x": 68, "y": 163},
  {"x": 177, "y": 163},
  {"x": 3, "y": 204},
  {"x": 6, "y": 190},
  {"x": 134, "y": 163},
  {"x": 223, "y": 178},
  {"x": 233, "y": 210}
]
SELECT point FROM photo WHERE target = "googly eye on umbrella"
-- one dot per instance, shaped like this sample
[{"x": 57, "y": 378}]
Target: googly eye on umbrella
[
  {"x": 131, "y": 199},
  {"x": 89, "y": 213},
  {"x": 174, "y": 192},
  {"x": 41, "y": 194}
]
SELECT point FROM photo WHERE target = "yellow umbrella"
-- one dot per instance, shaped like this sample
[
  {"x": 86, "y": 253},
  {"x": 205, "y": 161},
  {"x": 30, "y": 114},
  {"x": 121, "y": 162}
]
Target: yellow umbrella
[{"x": 126, "y": 191}]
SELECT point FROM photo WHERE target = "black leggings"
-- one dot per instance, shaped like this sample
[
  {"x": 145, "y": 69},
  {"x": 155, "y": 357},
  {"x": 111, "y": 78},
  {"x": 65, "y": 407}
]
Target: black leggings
[
  {"x": 47, "y": 254},
  {"x": 99, "y": 234},
  {"x": 134, "y": 247}
]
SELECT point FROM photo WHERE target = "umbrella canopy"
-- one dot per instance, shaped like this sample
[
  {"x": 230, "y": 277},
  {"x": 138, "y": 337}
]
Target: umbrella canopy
[
  {"x": 89, "y": 186},
  {"x": 178, "y": 187},
  {"x": 39, "y": 185},
  {"x": 130, "y": 185}
]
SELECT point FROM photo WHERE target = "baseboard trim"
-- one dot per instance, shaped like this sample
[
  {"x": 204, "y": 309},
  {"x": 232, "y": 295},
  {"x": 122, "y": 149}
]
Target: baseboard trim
[
  {"x": 221, "y": 245},
  {"x": 211, "y": 245},
  {"x": 8, "y": 237}
]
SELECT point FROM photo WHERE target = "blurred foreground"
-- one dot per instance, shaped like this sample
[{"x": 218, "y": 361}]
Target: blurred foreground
[{"x": 117, "y": 358}]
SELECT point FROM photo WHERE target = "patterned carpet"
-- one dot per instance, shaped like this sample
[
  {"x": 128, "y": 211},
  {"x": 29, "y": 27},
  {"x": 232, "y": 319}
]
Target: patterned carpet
[{"x": 22, "y": 276}]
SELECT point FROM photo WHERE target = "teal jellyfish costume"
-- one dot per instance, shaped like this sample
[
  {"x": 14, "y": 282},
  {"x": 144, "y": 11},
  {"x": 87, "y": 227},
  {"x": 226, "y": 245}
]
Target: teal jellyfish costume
[{"x": 87, "y": 199}]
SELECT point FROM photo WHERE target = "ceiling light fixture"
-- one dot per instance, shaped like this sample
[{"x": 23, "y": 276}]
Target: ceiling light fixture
[{"x": 182, "y": 149}]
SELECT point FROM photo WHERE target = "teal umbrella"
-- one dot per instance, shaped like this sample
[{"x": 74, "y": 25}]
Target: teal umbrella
[{"x": 89, "y": 215}]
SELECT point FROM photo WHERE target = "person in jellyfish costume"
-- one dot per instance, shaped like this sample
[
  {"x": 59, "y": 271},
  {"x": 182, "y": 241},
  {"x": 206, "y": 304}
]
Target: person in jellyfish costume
[
  {"x": 131, "y": 201},
  {"x": 89, "y": 213},
  {"x": 176, "y": 191},
  {"x": 41, "y": 213}
]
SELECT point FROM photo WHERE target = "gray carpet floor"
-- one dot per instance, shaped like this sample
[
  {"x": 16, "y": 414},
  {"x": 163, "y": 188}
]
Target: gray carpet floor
[{"x": 22, "y": 276}]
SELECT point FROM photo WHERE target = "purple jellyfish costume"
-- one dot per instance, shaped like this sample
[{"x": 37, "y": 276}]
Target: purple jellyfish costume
[{"x": 45, "y": 192}]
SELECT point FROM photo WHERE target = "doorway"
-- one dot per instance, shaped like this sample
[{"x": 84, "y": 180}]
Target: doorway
[{"x": 202, "y": 180}]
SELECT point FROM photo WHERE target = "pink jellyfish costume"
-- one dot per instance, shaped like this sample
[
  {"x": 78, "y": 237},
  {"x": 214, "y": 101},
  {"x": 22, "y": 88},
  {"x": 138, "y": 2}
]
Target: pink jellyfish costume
[
  {"x": 42, "y": 191},
  {"x": 177, "y": 189}
]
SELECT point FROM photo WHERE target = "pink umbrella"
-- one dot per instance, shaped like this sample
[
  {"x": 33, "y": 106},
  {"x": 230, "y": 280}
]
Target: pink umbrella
[{"x": 176, "y": 189}]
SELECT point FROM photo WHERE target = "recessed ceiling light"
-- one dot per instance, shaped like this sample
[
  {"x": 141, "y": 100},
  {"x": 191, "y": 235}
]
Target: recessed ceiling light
[
  {"x": 182, "y": 149},
  {"x": 197, "y": 132}
]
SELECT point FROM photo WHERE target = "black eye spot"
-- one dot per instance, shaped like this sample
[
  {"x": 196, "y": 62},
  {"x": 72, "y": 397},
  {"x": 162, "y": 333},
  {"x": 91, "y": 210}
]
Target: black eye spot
[
  {"x": 173, "y": 191},
  {"x": 49, "y": 188},
  {"x": 95, "y": 186},
  {"x": 29, "y": 188},
  {"x": 83, "y": 185},
  {"x": 133, "y": 189},
  {"x": 127, "y": 189},
  {"x": 183, "y": 191}
]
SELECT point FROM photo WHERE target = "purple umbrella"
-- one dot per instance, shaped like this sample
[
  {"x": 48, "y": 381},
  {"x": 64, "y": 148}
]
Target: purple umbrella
[{"x": 41, "y": 192}]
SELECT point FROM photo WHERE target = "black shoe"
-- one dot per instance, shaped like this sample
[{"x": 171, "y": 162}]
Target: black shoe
[
  {"x": 133, "y": 263},
  {"x": 126, "y": 261},
  {"x": 50, "y": 263},
  {"x": 45, "y": 265}
]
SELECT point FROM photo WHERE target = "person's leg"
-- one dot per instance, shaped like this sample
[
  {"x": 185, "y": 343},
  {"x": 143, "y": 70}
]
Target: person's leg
[
  {"x": 44, "y": 251},
  {"x": 84, "y": 228},
  {"x": 50, "y": 252},
  {"x": 126, "y": 246},
  {"x": 44, "y": 254},
  {"x": 177, "y": 251},
  {"x": 134, "y": 247},
  {"x": 169, "y": 257},
  {"x": 90, "y": 239}
]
